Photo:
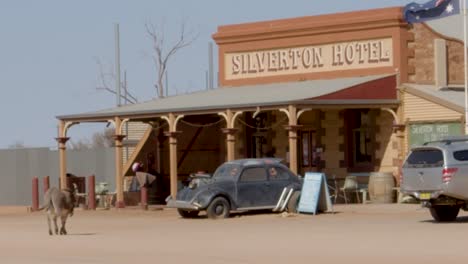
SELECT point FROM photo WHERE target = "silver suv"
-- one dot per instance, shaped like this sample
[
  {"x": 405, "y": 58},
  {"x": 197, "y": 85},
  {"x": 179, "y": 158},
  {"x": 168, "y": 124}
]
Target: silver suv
[{"x": 436, "y": 174}]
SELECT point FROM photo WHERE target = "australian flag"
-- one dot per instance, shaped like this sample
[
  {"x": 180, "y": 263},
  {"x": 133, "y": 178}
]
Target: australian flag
[{"x": 415, "y": 13}]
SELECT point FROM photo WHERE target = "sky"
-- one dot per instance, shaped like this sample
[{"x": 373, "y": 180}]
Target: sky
[{"x": 49, "y": 51}]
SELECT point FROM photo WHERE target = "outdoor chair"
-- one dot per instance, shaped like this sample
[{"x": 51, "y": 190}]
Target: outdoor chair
[
  {"x": 350, "y": 186},
  {"x": 333, "y": 187}
]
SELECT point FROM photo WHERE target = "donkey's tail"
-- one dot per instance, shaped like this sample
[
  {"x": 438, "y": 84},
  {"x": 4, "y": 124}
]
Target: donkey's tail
[
  {"x": 42, "y": 208},
  {"x": 45, "y": 206}
]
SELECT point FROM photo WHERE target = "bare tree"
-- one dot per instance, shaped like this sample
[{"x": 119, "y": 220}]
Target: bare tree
[
  {"x": 81, "y": 144},
  {"x": 162, "y": 52},
  {"x": 102, "y": 139},
  {"x": 108, "y": 76}
]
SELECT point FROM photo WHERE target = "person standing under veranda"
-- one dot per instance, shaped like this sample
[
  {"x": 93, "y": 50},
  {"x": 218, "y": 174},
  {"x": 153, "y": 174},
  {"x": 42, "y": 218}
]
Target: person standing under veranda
[{"x": 135, "y": 185}]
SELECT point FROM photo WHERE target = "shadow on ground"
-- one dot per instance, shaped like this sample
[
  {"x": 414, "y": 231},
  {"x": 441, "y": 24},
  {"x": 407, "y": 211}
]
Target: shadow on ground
[
  {"x": 256, "y": 213},
  {"x": 459, "y": 220},
  {"x": 82, "y": 234}
]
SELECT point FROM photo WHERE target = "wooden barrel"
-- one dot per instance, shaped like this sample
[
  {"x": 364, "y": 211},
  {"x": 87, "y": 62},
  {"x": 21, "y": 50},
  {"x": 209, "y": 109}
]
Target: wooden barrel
[{"x": 381, "y": 186}]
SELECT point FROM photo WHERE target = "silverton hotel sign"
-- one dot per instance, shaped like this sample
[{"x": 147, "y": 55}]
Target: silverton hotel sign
[{"x": 309, "y": 59}]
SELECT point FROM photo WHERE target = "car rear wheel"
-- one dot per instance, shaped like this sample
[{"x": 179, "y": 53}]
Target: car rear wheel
[
  {"x": 444, "y": 213},
  {"x": 188, "y": 214},
  {"x": 218, "y": 208},
  {"x": 293, "y": 202}
]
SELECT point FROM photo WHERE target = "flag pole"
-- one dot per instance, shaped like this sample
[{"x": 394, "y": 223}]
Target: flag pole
[{"x": 465, "y": 65}]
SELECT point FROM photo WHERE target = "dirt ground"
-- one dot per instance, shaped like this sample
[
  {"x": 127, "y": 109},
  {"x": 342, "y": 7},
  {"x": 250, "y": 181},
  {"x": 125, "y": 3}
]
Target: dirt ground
[{"x": 353, "y": 234}]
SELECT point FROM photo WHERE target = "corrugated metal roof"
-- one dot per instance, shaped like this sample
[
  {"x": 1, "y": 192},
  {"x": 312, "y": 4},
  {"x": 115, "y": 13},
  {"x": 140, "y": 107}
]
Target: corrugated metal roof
[
  {"x": 233, "y": 97},
  {"x": 454, "y": 96}
]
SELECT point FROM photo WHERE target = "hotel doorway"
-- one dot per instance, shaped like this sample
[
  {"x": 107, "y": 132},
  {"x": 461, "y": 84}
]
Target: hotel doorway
[{"x": 310, "y": 153}]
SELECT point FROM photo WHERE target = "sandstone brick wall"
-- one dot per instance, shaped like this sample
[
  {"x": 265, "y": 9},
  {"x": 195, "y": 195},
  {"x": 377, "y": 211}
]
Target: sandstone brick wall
[
  {"x": 423, "y": 61},
  {"x": 333, "y": 142},
  {"x": 386, "y": 151},
  {"x": 455, "y": 70}
]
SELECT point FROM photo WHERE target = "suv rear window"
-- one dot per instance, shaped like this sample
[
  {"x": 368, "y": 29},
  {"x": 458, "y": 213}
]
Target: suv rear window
[
  {"x": 425, "y": 158},
  {"x": 461, "y": 155}
]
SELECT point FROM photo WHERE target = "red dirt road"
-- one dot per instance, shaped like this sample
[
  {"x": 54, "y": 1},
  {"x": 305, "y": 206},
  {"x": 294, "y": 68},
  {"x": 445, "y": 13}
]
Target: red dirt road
[{"x": 355, "y": 234}]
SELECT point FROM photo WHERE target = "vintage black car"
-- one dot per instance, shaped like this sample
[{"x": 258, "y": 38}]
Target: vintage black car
[{"x": 239, "y": 185}]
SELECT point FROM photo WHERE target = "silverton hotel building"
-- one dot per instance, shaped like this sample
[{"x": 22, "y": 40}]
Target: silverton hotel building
[{"x": 338, "y": 93}]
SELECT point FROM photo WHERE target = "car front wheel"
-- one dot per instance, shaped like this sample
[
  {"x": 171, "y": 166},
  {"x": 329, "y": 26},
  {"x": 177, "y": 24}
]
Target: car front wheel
[
  {"x": 444, "y": 213},
  {"x": 187, "y": 214},
  {"x": 218, "y": 208}
]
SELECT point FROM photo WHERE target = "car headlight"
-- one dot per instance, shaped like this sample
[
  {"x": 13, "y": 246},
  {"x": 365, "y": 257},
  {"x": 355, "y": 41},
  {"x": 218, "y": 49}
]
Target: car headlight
[{"x": 193, "y": 184}]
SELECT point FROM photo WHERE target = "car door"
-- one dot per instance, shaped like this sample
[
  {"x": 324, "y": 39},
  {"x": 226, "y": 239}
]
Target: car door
[
  {"x": 279, "y": 179},
  {"x": 253, "y": 188}
]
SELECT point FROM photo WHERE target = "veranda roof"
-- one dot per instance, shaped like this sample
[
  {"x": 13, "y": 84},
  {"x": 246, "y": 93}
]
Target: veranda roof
[
  {"x": 450, "y": 97},
  {"x": 314, "y": 92}
]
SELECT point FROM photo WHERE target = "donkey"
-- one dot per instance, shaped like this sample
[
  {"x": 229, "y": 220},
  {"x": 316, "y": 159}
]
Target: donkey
[{"x": 59, "y": 203}]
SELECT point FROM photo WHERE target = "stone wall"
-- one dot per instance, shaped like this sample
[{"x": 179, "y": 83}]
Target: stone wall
[
  {"x": 455, "y": 70},
  {"x": 386, "y": 151},
  {"x": 333, "y": 142},
  {"x": 423, "y": 49},
  {"x": 423, "y": 61}
]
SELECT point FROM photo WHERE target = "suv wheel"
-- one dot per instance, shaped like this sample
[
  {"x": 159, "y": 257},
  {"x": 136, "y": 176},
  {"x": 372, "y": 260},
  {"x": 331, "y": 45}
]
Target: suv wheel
[
  {"x": 444, "y": 213},
  {"x": 218, "y": 208},
  {"x": 187, "y": 214}
]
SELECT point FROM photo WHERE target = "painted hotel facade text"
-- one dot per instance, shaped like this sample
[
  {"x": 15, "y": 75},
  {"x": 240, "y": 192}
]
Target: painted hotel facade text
[{"x": 317, "y": 58}]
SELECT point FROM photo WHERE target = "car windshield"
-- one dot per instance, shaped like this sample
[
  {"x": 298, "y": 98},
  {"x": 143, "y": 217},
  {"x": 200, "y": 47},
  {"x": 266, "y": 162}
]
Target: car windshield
[
  {"x": 425, "y": 158},
  {"x": 227, "y": 170}
]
